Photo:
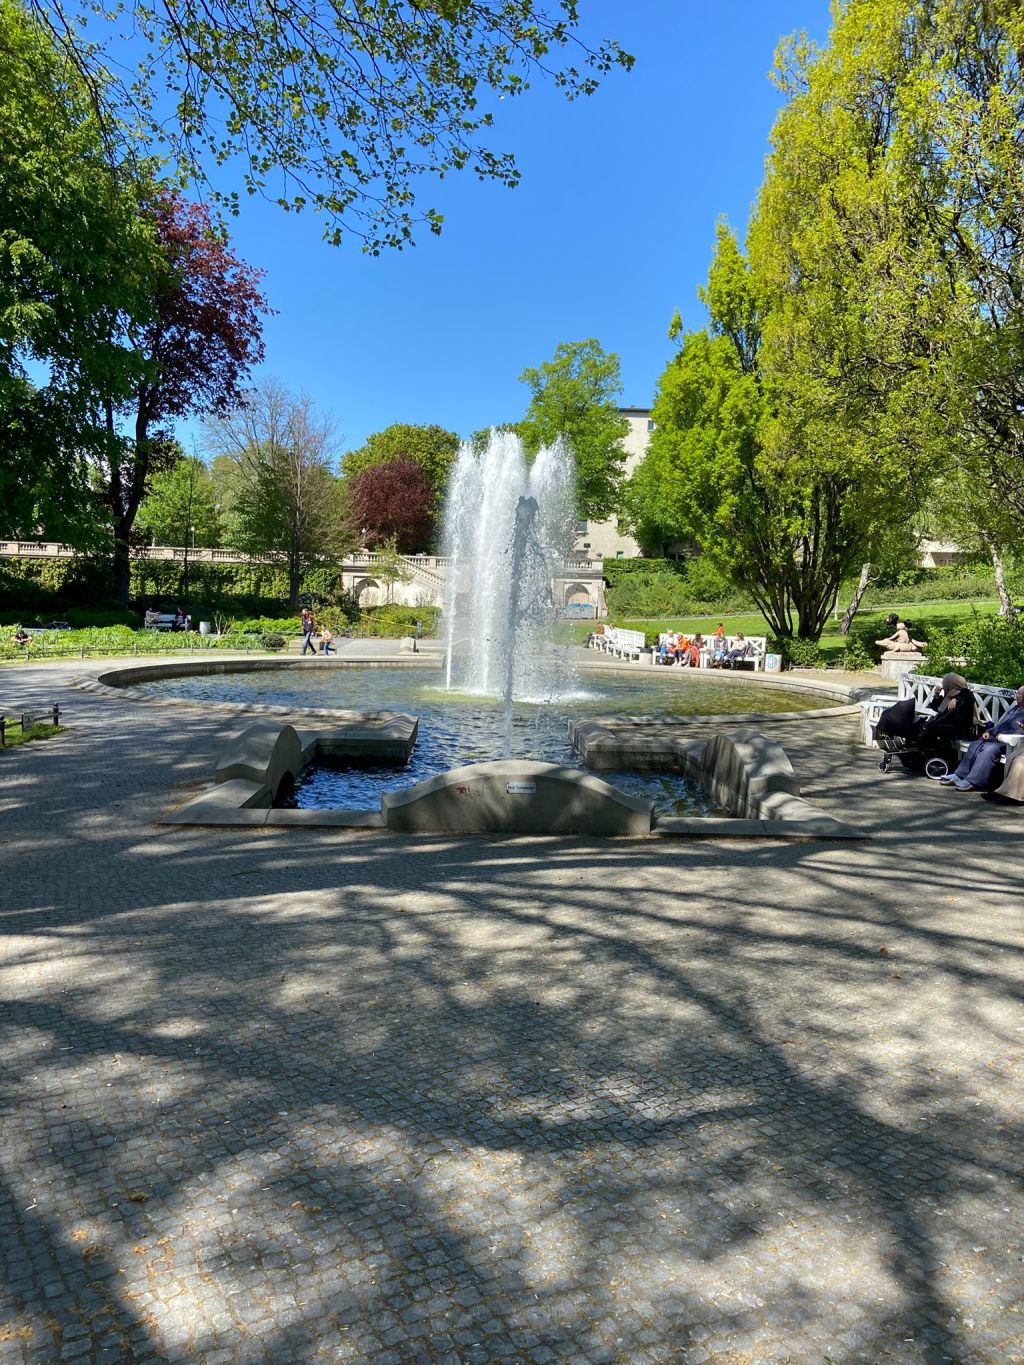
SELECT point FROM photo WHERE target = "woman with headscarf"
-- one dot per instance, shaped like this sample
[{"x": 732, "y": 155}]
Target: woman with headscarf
[{"x": 937, "y": 735}]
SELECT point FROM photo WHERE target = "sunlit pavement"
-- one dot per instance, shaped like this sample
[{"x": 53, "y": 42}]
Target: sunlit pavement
[{"x": 297, "y": 1095}]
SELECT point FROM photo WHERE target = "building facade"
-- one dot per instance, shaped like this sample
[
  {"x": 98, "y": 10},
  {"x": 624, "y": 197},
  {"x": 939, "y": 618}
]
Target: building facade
[{"x": 604, "y": 539}]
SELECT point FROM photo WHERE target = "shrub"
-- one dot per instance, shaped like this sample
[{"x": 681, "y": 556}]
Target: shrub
[
  {"x": 858, "y": 656},
  {"x": 336, "y": 619},
  {"x": 707, "y": 583},
  {"x": 796, "y": 652},
  {"x": 274, "y": 642},
  {"x": 989, "y": 651},
  {"x": 615, "y": 570},
  {"x": 640, "y": 588},
  {"x": 321, "y": 585},
  {"x": 389, "y": 622},
  {"x": 648, "y": 594},
  {"x": 263, "y": 625}
]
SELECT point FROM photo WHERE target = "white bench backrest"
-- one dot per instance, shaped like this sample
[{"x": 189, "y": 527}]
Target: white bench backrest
[
  {"x": 992, "y": 702},
  {"x": 758, "y": 643}
]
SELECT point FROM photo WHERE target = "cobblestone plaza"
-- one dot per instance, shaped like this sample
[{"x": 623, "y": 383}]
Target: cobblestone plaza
[{"x": 297, "y": 1095}]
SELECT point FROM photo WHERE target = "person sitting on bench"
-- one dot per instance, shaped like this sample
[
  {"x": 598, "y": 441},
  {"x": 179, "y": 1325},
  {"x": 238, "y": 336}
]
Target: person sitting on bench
[
  {"x": 979, "y": 763},
  {"x": 952, "y": 719},
  {"x": 741, "y": 650},
  {"x": 719, "y": 647},
  {"x": 687, "y": 653}
]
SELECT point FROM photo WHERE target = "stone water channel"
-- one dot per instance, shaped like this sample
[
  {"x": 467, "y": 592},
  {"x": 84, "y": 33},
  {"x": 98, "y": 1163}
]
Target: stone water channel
[{"x": 457, "y": 729}]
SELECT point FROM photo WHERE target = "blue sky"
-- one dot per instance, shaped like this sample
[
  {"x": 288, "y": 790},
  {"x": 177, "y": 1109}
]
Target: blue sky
[{"x": 609, "y": 232}]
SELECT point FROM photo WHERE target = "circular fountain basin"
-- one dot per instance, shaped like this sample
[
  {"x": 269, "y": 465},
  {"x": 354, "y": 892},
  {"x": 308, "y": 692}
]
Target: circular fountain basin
[{"x": 458, "y": 728}]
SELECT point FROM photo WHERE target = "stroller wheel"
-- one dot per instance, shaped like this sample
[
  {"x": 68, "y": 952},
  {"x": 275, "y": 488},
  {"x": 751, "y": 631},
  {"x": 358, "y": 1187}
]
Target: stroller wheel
[
  {"x": 936, "y": 768},
  {"x": 885, "y": 763}
]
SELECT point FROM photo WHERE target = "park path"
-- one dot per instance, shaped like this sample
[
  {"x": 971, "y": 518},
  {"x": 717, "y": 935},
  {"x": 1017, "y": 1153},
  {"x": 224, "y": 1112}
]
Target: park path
[{"x": 291, "y": 1095}]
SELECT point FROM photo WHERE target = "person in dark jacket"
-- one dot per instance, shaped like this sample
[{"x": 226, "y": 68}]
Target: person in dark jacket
[{"x": 952, "y": 719}]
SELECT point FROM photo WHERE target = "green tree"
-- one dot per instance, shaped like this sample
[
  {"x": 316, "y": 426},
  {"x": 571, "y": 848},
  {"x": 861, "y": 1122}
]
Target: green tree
[
  {"x": 341, "y": 108},
  {"x": 432, "y": 447},
  {"x": 788, "y": 508},
  {"x": 181, "y": 506},
  {"x": 76, "y": 259},
  {"x": 277, "y": 468},
  {"x": 390, "y": 568},
  {"x": 575, "y": 395},
  {"x": 898, "y": 173}
]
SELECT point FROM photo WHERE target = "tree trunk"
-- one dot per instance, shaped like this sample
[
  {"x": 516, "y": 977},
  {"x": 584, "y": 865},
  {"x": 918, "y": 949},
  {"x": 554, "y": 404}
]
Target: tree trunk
[
  {"x": 294, "y": 569},
  {"x": 858, "y": 596},
  {"x": 1006, "y": 607},
  {"x": 122, "y": 564}
]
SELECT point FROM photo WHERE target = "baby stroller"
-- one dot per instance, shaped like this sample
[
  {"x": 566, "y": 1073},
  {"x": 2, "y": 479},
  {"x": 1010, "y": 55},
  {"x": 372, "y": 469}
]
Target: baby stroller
[
  {"x": 922, "y": 745},
  {"x": 934, "y": 762}
]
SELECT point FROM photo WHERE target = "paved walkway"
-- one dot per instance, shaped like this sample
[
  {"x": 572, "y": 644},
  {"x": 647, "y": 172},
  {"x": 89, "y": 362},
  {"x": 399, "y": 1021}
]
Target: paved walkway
[{"x": 297, "y": 1096}]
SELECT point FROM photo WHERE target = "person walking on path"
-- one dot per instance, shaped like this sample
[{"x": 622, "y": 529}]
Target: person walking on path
[
  {"x": 308, "y": 631},
  {"x": 326, "y": 638}
]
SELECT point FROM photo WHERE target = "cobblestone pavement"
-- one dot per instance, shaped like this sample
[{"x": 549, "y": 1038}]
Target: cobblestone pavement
[{"x": 290, "y": 1096}]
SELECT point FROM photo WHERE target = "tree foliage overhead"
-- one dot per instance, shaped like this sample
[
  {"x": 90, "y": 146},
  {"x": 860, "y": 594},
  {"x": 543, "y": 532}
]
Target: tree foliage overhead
[
  {"x": 575, "y": 395},
  {"x": 341, "y": 107},
  {"x": 124, "y": 296}
]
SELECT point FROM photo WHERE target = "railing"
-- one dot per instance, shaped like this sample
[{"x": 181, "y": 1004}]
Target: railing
[
  {"x": 28, "y": 720},
  {"x": 39, "y": 650},
  {"x": 427, "y": 564}
]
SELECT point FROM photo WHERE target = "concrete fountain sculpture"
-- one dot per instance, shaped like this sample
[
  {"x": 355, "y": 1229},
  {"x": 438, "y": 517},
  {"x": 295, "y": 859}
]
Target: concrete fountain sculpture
[{"x": 508, "y": 529}]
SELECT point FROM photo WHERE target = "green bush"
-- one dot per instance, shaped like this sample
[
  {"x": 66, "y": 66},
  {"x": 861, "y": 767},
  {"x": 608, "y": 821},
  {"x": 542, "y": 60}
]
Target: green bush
[
  {"x": 272, "y": 642},
  {"x": 670, "y": 587},
  {"x": 336, "y": 619},
  {"x": 615, "y": 570},
  {"x": 389, "y": 622},
  {"x": 648, "y": 594},
  {"x": 859, "y": 656},
  {"x": 263, "y": 625},
  {"x": 796, "y": 652},
  {"x": 989, "y": 651},
  {"x": 705, "y": 582}
]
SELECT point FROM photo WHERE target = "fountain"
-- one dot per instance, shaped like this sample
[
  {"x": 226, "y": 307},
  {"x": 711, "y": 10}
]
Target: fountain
[{"x": 508, "y": 529}]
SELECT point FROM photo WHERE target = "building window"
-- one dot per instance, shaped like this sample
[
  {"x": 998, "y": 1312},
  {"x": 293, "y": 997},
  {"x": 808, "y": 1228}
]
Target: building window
[
  {"x": 581, "y": 528},
  {"x": 620, "y": 554},
  {"x": 650, "y": 424}
]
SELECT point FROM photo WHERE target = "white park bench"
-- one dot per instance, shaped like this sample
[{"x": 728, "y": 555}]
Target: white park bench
[
  {"x": 623, "y": 644},
  {"x": 758, "y": 648},
  {"x": 991, "y": 705},
  {"x": 161, "y": 620}
]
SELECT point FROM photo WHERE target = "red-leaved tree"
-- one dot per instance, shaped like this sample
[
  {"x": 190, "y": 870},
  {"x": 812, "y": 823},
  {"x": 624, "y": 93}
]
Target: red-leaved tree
[
  {"x": 196, "y": 349},
  {"x": 392, "y": 502}
]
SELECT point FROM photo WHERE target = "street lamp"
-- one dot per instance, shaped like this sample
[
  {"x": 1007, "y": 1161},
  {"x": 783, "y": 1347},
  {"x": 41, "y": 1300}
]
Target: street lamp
[{"x": 189, "y": 531}]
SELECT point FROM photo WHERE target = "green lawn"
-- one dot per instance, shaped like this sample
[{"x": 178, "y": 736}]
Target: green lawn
[{"x": 928, "y": 615}]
